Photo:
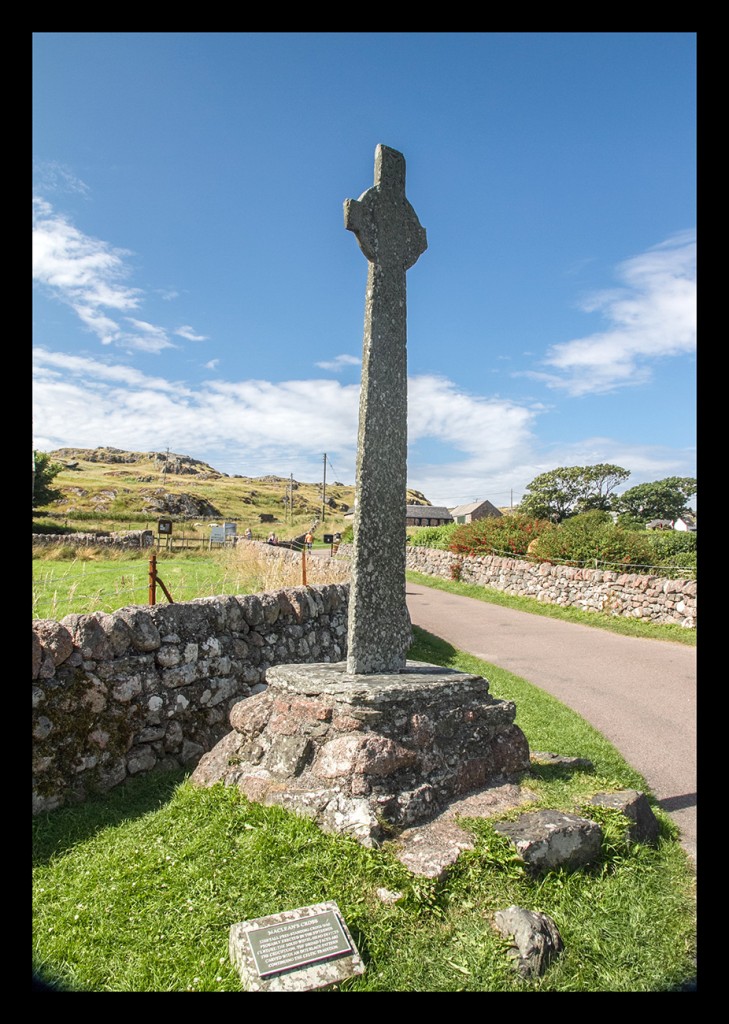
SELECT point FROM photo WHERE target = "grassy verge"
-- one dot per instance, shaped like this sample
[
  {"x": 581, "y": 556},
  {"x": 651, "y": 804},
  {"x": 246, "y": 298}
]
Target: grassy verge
[
  {"x": 613, "y": 623},
  {"x": 137, "y": 892}
]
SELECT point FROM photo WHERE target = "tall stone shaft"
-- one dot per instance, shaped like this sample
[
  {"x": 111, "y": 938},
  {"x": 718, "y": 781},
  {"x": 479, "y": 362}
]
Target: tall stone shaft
[{"x": 392, "y": 239}]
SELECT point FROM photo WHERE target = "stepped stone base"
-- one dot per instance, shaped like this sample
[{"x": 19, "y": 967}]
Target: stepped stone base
[{"x": 366, "y": 755}]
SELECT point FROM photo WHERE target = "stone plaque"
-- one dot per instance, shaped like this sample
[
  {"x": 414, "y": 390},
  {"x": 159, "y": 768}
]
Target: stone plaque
[
  {"x": 297, "y": 950},
  {"x": 298, "y": 943}
]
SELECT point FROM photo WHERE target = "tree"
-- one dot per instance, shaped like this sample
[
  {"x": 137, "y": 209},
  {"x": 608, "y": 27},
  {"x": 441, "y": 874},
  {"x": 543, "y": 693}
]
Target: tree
[
  {"x": 600, "y": 483},
  {"x": 662, "y": 499},
  {"x": 44, "y": 473},
  {"x": 570, "y": 490}
]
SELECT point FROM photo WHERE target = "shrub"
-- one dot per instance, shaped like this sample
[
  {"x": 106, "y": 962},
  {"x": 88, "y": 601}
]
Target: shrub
[
  {"x": 630, "y": 522},
  {"x": 682, "y": 565},
  {"x": 498, "y": 535},
  {"x": 592, "y": 537},
  {"x": 668, "y": 544},
  {"x": 675, "y": 553},
  {"x": 433, "y": 536},
  {"x": 44, "y": 473}
]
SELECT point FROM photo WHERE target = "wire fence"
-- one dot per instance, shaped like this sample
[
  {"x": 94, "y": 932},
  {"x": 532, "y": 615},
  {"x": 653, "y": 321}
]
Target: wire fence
[
  {"x": 81, "y": 587},
  {"x": 78, "y": 586}
]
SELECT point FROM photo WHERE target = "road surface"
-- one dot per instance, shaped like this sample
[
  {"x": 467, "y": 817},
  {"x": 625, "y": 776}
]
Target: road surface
[{"x": 640, "y": 694}]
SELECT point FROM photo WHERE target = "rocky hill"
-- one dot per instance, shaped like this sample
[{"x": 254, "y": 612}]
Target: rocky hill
[{"x": 112, "y": 487}]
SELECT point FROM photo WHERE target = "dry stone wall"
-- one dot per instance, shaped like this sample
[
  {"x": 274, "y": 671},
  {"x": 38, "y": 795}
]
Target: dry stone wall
[
  {"x": 121, "y": 539},
  {"x": 650, "y": 598},
  {"x": 147, "y": 687}
]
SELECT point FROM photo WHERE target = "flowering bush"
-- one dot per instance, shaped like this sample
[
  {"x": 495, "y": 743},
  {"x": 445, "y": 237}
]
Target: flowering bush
[{"x": 498, "y": 535}]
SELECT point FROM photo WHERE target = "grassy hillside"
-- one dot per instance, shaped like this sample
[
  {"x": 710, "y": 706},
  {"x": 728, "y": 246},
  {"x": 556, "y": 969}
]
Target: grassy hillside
[{"x": 106, "y": 489}]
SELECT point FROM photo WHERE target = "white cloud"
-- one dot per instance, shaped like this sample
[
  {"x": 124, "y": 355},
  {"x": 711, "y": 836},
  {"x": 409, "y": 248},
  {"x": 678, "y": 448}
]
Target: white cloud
[
  {"x": 79, "y": 269},
  {"x": 491, "y": 430},
  {"x": 54, "y": 366},
  {"x": 276, "y": 427},
  {"x": 255, "y": 427},
  {"x": 89, "y": 276},
  {"x": 487, "y": 446},
  {"x": 482, "y": 439},
  {"x": 51, "y": 176},
  {"x": 338, "y": 363},
  {"x": 187, "y": 332},
  {"x": 652, "y": 316},
  {"x": 212, "y": 364},
  {"x": 145, "y": 337},
  {"x": 645, "y": 462}
]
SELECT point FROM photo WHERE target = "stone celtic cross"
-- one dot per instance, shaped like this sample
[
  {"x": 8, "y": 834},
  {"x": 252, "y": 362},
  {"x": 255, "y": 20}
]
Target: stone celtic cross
[{"x": 392, "y": 238}]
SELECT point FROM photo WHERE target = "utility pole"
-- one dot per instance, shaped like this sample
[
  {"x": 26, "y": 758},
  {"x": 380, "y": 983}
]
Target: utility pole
[
  {"x": 324, "y": 490},
  {"x": 291, "y": 498}
]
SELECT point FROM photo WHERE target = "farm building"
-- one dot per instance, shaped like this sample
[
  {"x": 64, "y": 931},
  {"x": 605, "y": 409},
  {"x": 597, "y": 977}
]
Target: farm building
[
  {"x": 476, "y": 510},
  {"x": 427, "y": 515},
  {"x": 685, "y": 524}
]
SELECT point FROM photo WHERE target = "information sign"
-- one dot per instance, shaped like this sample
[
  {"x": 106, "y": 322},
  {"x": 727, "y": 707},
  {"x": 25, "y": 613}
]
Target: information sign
[{"x": 297, "y": 943}]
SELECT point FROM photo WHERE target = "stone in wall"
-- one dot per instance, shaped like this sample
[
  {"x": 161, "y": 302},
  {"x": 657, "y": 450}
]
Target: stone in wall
[
  {"x": 632, "y": 595},
  {"x": 118, "y": 694}
]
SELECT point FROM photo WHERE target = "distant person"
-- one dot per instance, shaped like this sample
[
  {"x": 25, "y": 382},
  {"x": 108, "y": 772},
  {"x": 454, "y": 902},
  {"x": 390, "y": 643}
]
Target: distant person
[
  {"x": 309, "y": 539},
  {"x": 248, "y": 535},
  {"x": 272, "y": 539}
]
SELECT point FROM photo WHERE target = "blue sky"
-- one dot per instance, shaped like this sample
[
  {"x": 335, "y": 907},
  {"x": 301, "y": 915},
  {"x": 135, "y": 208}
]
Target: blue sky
[{"x": 195, "y": 288}]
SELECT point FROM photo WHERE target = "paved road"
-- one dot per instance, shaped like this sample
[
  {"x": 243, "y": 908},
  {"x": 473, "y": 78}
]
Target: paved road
[{"x": 640, "y": 694}]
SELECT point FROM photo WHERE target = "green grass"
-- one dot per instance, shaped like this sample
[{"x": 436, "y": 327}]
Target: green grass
[
  {"x": 99, "y": 580},
  {"x": 613, "y": 623},
  {"x": 104, "y": 583},
  {"x": 137, "y": 892}
]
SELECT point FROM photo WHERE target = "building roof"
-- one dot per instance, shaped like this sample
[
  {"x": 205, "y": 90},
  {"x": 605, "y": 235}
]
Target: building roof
[
  {"x": 467, "y": 510},
  {"x": 427, "y": 512}
]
